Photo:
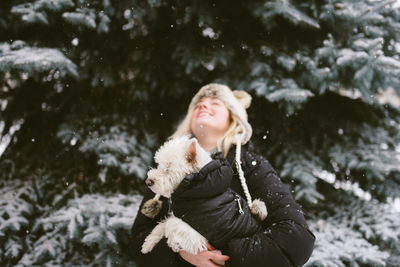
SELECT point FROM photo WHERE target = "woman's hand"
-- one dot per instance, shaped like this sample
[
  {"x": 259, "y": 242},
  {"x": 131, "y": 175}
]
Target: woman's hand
[{"x": 206, "y": 258}]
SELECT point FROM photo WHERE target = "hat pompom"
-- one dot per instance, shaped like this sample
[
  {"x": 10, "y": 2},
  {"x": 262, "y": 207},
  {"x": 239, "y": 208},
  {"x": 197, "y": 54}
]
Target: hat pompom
[
  {"x": 152, "y": 207},
  {"x": 243, "y": 97},
  {"x": 258, "y": 209}
]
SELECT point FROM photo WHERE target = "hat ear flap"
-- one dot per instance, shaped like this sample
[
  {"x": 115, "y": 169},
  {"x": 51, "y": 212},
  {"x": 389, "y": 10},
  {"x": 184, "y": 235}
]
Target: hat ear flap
[{"x": 243, "y": 97}]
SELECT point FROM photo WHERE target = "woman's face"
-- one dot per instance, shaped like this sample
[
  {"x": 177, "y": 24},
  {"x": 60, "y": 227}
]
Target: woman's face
[{"x": 210, "y": 115}]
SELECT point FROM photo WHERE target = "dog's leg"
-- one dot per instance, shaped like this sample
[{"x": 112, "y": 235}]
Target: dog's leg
[
  {"x": 181, "y": 236},
  {"x": 154, "y": 237}
]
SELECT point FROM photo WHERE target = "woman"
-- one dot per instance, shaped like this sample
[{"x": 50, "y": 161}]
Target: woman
[{"x": 217, "y": 118}]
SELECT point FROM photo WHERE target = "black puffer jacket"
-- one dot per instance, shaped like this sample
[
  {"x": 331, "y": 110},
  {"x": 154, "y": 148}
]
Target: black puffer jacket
[
  {"x": 206, "y": 197},
  {"x": 284, "y": 239}
]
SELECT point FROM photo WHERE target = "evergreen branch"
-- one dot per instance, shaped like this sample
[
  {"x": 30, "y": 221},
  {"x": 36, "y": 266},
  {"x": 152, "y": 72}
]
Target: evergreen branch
[
  {"x": 33, "y": 60},
  {"x": 377, "y": 7},
  {"x": 80, "y": 19}
]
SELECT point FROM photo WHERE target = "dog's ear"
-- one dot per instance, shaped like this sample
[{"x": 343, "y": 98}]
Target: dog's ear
[{"x": 191, "y": 152}]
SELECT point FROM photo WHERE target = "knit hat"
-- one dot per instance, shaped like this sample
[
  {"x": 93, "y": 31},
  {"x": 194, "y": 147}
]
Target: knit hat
[{"x": 236, "y": 102}]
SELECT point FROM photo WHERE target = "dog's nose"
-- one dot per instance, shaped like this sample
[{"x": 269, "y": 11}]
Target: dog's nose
[{"x": 149, "y": 182}]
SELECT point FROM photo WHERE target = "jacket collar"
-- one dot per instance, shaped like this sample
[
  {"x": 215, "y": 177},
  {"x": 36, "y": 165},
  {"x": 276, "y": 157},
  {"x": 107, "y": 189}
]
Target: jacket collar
[{"x": 232, "y": 150}]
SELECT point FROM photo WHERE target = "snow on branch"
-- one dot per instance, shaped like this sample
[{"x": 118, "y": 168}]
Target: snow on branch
[
  {"x": 289, "y": 96},
  {"x": 35, "y": 60},
  {"x": 285, "y": 9},
  {"x": 339, "y": 245},
  {"x": 351, "y": 230},
  {"x": 98, "y": 222},
  {"x": 80, "y": 19}
]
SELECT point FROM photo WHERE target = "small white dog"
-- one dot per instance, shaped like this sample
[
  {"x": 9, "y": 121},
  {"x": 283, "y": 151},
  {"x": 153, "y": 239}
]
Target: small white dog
[{"x": 176, "y": 159}]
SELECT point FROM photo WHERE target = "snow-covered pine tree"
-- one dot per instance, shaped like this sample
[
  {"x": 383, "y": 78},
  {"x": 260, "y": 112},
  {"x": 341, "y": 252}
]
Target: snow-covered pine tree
[{"x": 89, "y": 89}]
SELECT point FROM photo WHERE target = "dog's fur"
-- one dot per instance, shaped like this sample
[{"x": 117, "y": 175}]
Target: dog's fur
[{"x": 176, "y": 159}]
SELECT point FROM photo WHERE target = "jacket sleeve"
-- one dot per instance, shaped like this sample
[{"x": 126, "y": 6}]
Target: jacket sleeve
[
  {"x": 285, "y": 239},
  {"x": 161, "y": 255}
]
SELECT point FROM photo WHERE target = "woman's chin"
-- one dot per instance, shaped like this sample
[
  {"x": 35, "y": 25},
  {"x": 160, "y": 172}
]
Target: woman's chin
[
  {"x": 202, "y": 125},
  {"x": 203, "y": 120}
]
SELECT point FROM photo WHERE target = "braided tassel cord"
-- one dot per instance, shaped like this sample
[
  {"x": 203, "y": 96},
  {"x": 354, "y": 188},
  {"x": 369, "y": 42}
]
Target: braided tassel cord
[
  {"x": 257, "y": 207},
  {"x": 240, "y": 171}
]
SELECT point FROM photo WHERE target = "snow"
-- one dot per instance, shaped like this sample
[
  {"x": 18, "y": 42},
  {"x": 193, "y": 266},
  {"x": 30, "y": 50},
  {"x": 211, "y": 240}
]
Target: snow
[
  {"x": 396, "y": 3},
  {"x": 209, "y": 32},
  {"x": 127, "y": 13},
  {"x": 6, "y": 138},
  {"x": 115, "y": 148},
  {"x": 389, "y": 96},
  {"x": 345, "y": 185},
  {"x": 73, "y": 141},
  {"x": 325, "y": 175},
  {"x": 290, "y": 94},
  {"x": 368, "y": 44},
  {"x": 75, "y": 41},
  {"x": 350, "y": 57},
  {"x": 94, "y": 219},
  {"x": 80, "y": 19},
  {"x": 353, "y": 93},
  {"x": 390, "y": 63},
  {"x": 354, "y": 187},
  {"x": 394, "y": 203},
  {"x": 289, "y": 63},
  {"x": 39, "y": 59}
]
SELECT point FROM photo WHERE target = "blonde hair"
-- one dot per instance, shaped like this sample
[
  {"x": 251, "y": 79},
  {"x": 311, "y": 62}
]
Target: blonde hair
[{"x": 223, "y": 144}]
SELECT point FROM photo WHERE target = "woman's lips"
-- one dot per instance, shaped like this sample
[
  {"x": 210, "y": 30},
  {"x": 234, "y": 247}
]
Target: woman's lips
[{"x": 203, "y": 113}]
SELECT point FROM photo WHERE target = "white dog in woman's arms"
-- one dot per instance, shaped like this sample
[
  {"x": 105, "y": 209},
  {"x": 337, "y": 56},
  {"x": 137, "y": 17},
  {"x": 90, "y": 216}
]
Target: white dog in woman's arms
[{"x": 176, "y": 159}]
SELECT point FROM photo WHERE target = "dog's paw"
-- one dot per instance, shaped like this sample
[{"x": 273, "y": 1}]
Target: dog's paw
[
  {"x": 175, "y": 246},
  {"x": 259, "y": 209},
  {"x": 153, "y": 238},
  {"x": 146, "y": 247}
]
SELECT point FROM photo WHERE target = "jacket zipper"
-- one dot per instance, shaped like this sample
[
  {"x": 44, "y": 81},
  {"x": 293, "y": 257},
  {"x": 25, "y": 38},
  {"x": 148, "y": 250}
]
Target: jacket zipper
[{"x": 240, "y": 206}]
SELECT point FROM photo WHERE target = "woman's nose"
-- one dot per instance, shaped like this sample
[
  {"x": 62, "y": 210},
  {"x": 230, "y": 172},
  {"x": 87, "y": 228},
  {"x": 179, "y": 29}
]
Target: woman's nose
[{"x": 202, "y": 105}]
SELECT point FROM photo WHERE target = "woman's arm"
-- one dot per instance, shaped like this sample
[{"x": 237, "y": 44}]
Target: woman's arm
[
  {"x": 285, "y": 239},
  {"x": 284, "y": 244},
  {"x": 161, "y": 255}
]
